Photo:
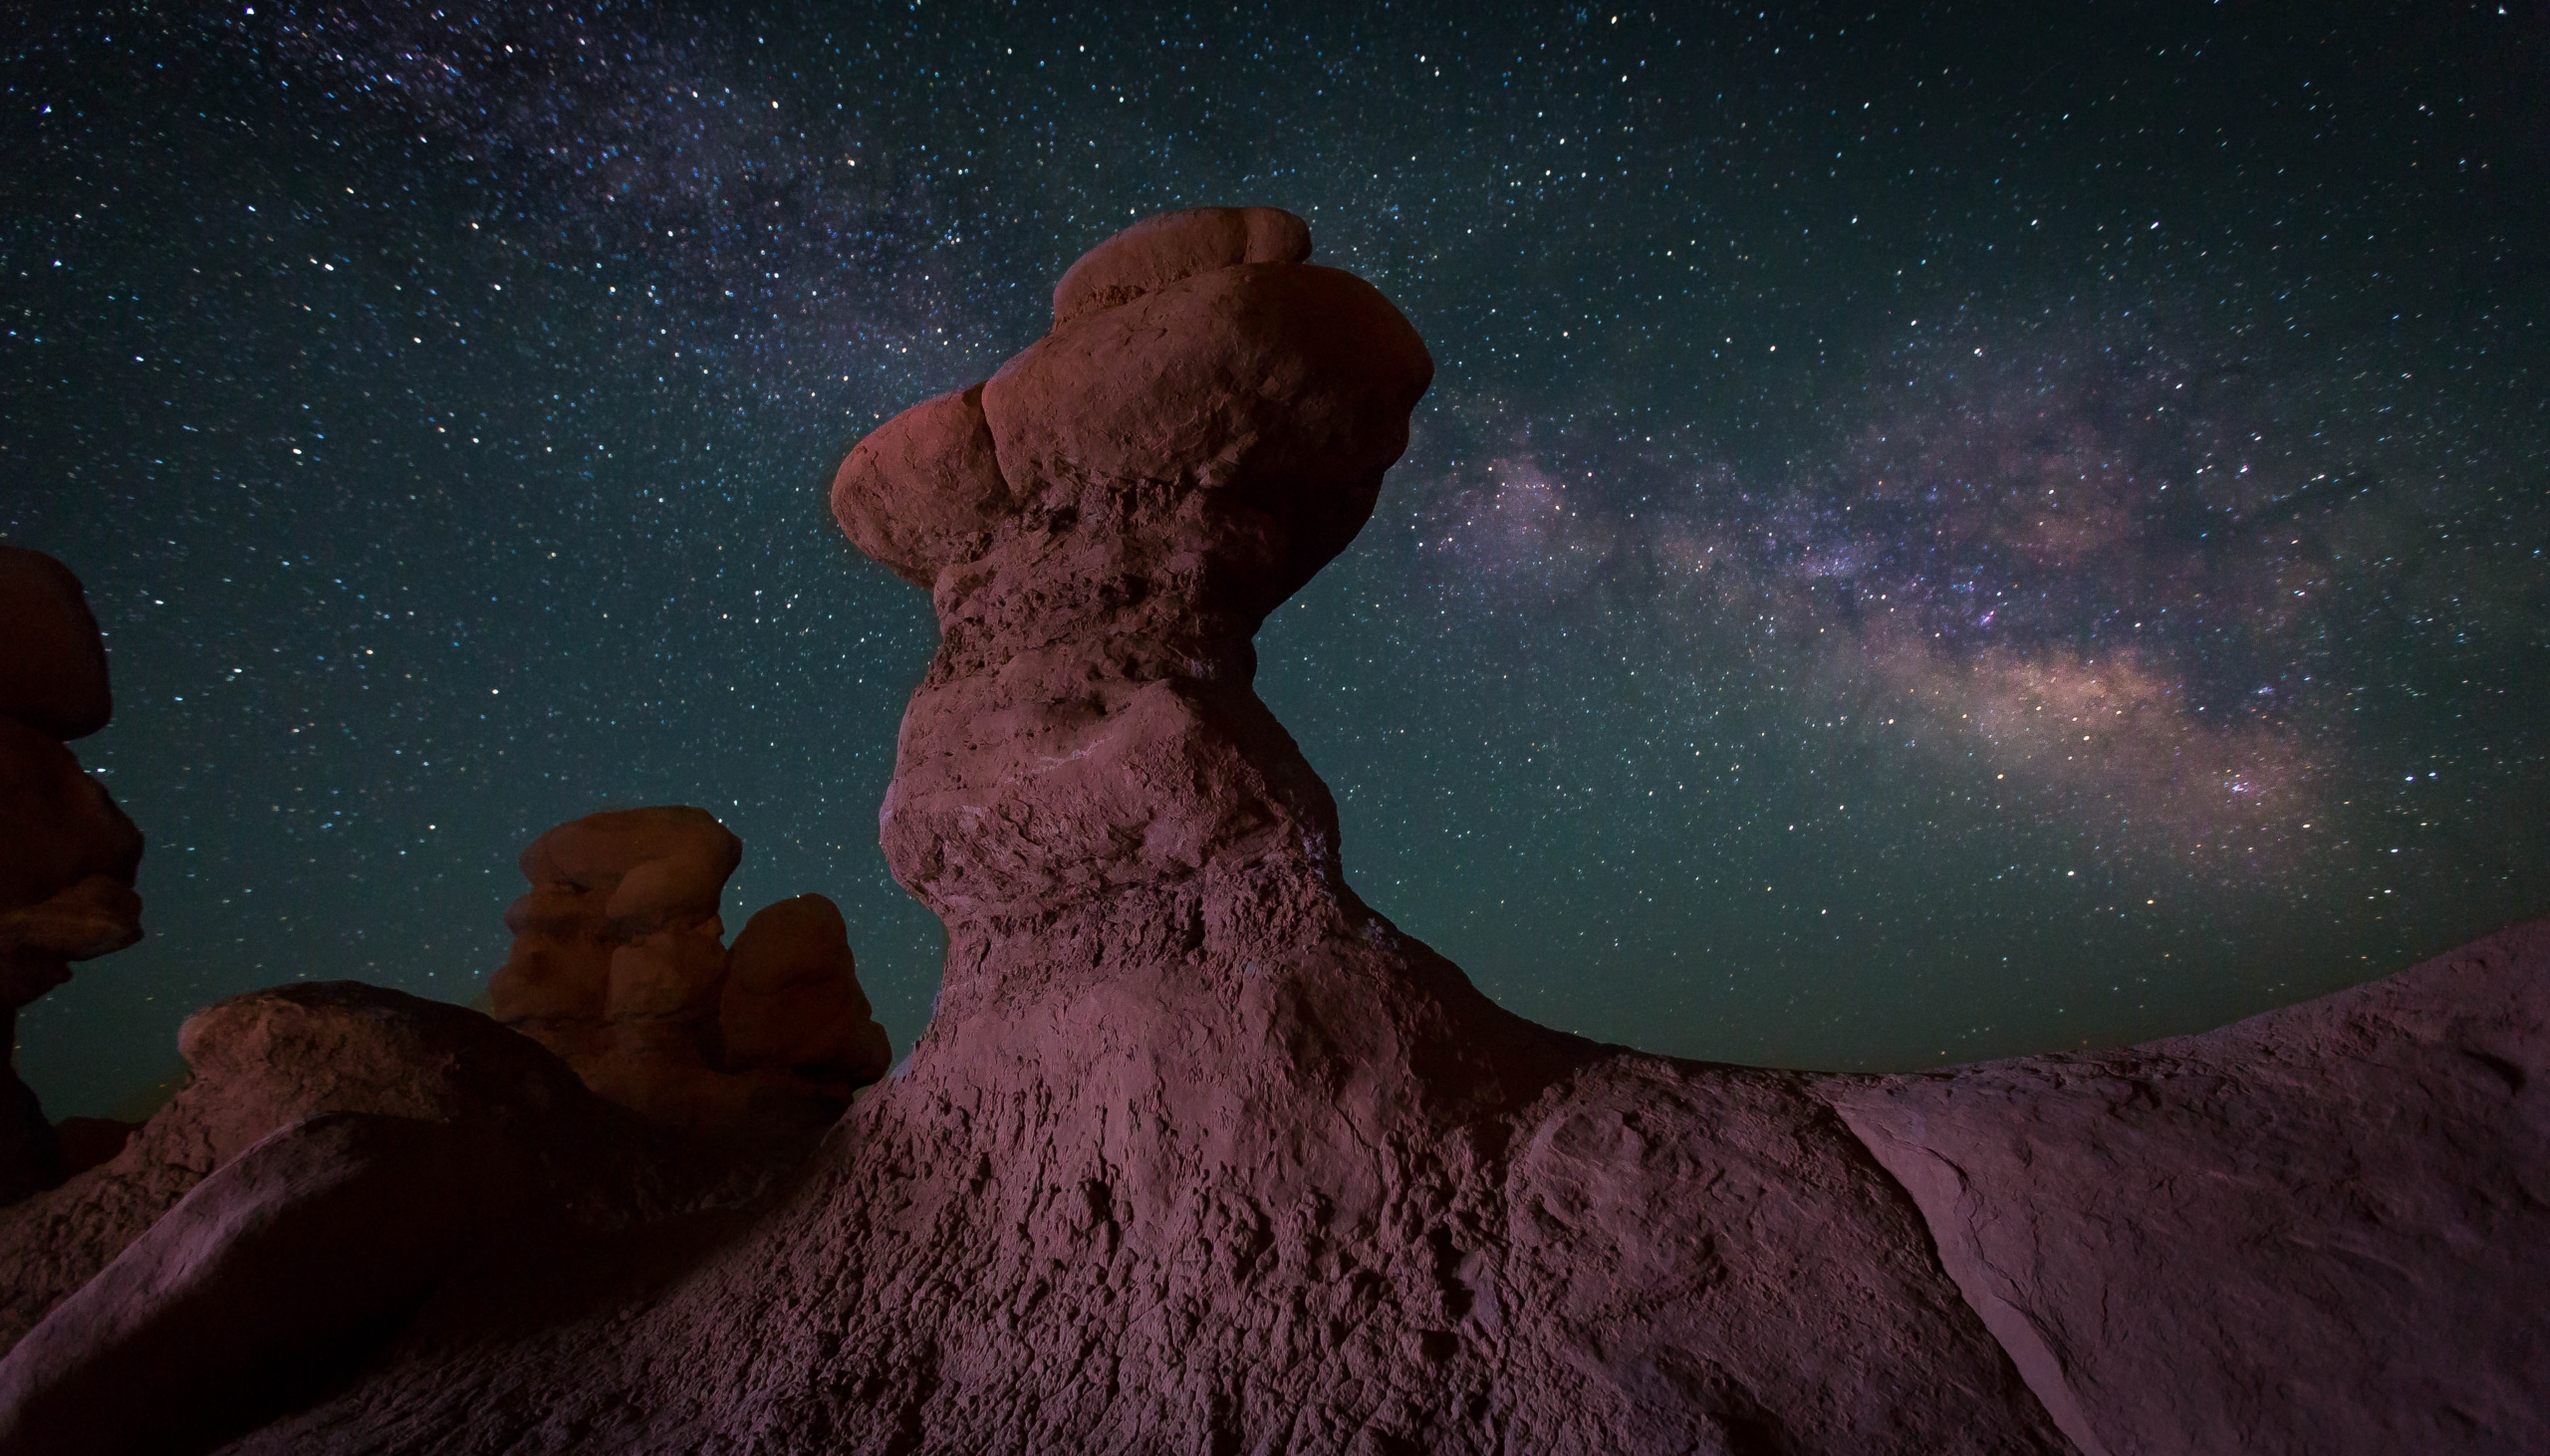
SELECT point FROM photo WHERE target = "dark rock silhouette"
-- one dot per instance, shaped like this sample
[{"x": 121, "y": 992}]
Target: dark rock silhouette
[
  {"x": 620, "y": 966},
  {"x": 339, "y": 1152},
  {"x": 67, "y": 854},
  {"x": 53, "y": 663},
  {"x": 1202, "y": 1154}
]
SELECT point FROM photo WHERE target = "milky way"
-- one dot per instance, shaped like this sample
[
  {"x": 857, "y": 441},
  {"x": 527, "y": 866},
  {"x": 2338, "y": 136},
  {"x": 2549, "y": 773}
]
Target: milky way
[{"x": 1934, "y": 537}]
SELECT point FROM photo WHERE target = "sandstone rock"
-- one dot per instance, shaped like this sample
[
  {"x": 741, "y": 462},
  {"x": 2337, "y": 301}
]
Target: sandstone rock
[
  {"x": 792, "y": 1001},
  {"x": 619, "y": 953},
  {"x": 925, "y": 490},
  {"x": 255, "y": 1286},
  {"x": 261, "y": 1062},
  {"x": 273, "y": 1058},
  {"x": 58, "y": 832},
  {"x": 2326, "y": 1229},
  {"x": 1160, "y": 251},
  {"x": 53, "y": 663},
  {"x": 620, "y": 967}
]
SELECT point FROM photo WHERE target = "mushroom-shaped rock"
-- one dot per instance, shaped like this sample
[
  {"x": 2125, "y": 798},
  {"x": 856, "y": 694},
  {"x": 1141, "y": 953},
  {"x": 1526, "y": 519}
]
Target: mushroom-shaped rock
[
  {"x": 620, "y": 966},
  {"x": 619, "y": 953},
  {"x": 53, "y": 663},
  {"x": 792, "y": 1001},
  {"x": 1205, "y": 426}
]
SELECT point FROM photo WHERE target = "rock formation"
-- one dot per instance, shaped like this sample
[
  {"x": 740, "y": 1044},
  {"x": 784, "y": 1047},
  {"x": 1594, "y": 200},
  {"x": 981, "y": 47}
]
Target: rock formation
[
  {"x": 620, "y": 966},
  {"x": 1202, "y": 1154},
  {"x": 67, "y": 854},
  {"x": 339, "y": 1151}
]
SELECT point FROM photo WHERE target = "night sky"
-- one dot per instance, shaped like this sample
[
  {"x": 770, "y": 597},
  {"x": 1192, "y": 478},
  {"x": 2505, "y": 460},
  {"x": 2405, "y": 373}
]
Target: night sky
[{"x": 1935, "y": 535}]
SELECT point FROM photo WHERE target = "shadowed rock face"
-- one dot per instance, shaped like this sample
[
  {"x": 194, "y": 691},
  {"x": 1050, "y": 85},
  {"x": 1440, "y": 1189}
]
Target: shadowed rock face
[
  {"x": 67, "y": 854},
  {"x": 339, "y": 1152},
  {"x": 1199, "y": 1154}
]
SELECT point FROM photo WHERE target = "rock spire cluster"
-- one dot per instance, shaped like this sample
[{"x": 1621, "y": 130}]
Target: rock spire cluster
[{"x": 620, "y": 966}]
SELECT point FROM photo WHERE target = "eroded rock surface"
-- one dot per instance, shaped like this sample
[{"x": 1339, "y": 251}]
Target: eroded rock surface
[
  {"x": 620, "y": 966},
  {"x": 2325, "y": 1228}
]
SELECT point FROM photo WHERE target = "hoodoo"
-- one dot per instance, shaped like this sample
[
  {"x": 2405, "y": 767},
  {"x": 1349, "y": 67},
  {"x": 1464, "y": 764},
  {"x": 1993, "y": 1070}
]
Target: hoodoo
[{"x": 1200, "y": 1153}]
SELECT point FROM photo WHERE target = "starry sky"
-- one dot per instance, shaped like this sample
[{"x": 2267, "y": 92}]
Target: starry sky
[{"x": 1939, "y": 532}]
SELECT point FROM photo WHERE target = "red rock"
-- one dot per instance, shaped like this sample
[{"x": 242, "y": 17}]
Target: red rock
[
  {"x": 618, "y": 966},
  {"x": 58, "y": 829},
  {"x": 261, "y": 1062},
  {"x": 925, "y": 490},
  {"x": 619, "y": 953},
  {"x": 792, "y": 1001},
  {"x": 1160, "y": 251},
  {"x": 254, "y": 1283},
  {"x": 53, "y": 663},
  {"x": 2325, "y": 1228},
  {"x": 272, "y": 1059},
  {"x": 1199, "y": 1152},
  {"x": 67, "y": 854}
]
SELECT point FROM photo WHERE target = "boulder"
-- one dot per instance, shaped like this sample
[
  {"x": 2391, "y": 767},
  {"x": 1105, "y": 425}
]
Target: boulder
[
  {"x": 265, "y": 1061},
  {"x": 53, "y": 662}
]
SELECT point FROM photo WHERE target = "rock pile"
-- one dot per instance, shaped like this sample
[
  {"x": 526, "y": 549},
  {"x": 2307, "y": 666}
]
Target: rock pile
[
  {"x": 620, "y": 966},
  {"x": 67, "y": 854}
]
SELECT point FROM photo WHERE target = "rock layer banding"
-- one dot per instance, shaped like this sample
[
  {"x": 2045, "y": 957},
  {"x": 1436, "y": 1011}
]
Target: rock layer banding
[{"x": 1201, "y": 1154}]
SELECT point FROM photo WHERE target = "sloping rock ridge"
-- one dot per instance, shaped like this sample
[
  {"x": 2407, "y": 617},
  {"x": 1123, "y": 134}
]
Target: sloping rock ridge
[{"x": 1201, "y": 1154}]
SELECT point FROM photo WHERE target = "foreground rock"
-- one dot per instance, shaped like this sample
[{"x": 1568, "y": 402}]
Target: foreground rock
[
  {"x": 265, "y": 1277},
  {"x": 2325, "y": 1228},
  {"x": 269, "y": 1059},
  {"x": 620, "y": 966},
  {"x": 67, "y": 854}
]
